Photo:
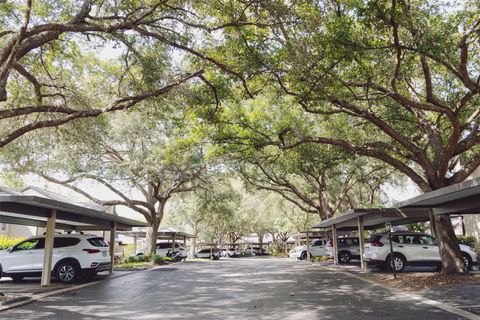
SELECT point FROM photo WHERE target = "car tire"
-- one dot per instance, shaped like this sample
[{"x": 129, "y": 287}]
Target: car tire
[
  {"x": 344, "y": 257},
  {"x": 303, "y": 256},
  {"x": 17, "y": 277},
  {"x": 467, "y": 260},
  {"x": 67, "y": 272},
  {"x": 398, "y": 262}
]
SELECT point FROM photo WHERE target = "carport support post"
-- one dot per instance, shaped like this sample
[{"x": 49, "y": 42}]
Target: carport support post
[
  {"x": 135, "y": 245},
  {"x": 361, "y": 240},
  {"x": 113, "y": 231},
  {"x": 308, "y": 248},
  {"x": 47, "y": 255},
  {"x": 335, "y": 245},
  {"x": 432, "y": 222}
]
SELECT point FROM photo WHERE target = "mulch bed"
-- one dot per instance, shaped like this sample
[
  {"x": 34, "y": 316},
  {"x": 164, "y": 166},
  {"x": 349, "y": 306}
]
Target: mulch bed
[{"x": 424, "y": 280}]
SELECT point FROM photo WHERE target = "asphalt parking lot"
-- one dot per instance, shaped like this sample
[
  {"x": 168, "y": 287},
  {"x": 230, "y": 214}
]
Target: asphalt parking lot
[{"x": 256, "y": 288}]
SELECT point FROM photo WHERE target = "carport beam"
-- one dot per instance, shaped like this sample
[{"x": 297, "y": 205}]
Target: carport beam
[
  {"x": 47, "y": 255},
  {"x": 113, "y": 231},
  {"x": 335, "y": 245},
  {"x": 361, "y": 240}
]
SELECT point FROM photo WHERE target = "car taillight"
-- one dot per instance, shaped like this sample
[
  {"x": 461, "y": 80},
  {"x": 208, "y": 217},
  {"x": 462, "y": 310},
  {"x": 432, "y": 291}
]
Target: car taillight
[
  {"x": 91, "y": 250},
  {"x": 330, "y": 244},
  {"x": 376, "y": 244}
]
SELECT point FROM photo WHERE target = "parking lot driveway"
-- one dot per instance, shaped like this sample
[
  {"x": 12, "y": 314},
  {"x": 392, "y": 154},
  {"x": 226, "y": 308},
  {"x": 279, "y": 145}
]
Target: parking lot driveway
[{"x": 255, "y": 288}]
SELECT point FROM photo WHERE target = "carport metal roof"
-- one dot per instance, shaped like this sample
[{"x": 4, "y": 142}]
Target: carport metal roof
[
  {"x": 35, "y": 210},
  {"x": 460, "y": 198},
  {"x": 375, "y": 218},
  {"x": 311, "y": 235},
  {"x": 166, "y": 233}
]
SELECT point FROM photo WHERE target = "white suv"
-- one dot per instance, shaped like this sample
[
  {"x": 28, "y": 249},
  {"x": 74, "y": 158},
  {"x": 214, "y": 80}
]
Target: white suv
[
  {"x": 164, "y": 249},
  {"x": 318, "y": 248},
  {"x": 74, "y": 255},
  {"x": 348, "y": 249},
  {"x": 409, "y": 248}
]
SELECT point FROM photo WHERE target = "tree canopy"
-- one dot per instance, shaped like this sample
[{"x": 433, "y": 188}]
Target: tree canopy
[{"x": 321, "y": 102}]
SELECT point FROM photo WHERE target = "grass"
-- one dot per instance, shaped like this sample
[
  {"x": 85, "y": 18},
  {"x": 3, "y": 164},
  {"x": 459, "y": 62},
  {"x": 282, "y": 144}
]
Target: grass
[{"x": 134, "y": 265}]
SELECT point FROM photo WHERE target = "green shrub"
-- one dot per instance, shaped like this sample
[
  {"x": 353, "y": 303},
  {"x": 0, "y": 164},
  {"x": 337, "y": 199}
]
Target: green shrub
[
  {"x": 168, "y": 259},
  {"x": 139, "y": 258},
  {"x": 156, "y": 259},
  {"x": 6, "y": 243},
  {"x": 320, "y": 259},
  {"x": 467, "y": 240}
]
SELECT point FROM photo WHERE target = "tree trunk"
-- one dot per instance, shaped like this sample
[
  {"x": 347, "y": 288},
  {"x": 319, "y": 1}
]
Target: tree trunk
[
  {"x": 152, "y": 233},
  {"x": 194, "y": 241},
  {"x": 260, "y": 239},
  {"x": 152, "y": 229},
  {"x": 452, "y": 261}
]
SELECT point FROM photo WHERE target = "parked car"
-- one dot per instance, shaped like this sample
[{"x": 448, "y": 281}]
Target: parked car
[
  {"x": 164, "y": 249},
  {"x": 318, "y": 248},
  {"x": 409, "y": 248},
  {"x": 254, "y": 251},
  {"x": 74, "y": 255},
  {"x": 230, "y": 252},
  {"x": 214, "y": 254},
  {"x": 348, "y": 249}
]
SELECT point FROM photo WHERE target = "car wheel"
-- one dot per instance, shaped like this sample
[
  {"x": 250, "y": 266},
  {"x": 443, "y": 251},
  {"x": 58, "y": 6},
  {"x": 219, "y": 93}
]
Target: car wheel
[
  {"x": 303, "y": 256},
  {"x": 67, "y": 272},
  {"x": 397, "y": 263},
  {"x": 344, "y": 256},
  {"x": 17, "y": 277},
  {"x": 467, "y": 260}
]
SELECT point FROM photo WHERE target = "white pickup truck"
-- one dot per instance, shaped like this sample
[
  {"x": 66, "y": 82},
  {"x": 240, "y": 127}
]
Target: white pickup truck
[{"x": 318, "y": 248}]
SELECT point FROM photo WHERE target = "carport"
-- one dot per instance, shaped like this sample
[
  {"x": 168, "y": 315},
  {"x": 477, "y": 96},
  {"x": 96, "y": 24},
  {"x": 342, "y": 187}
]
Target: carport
[
  {"x": 460, "y": 199},
  {"x": 306, "y": 235},
  {"x": 53, "y": 214},
  {"x": 370, "y": 219},
  {"x": 170, "y": 234}
]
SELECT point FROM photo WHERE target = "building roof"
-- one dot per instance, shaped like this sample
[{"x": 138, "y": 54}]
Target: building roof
[
  {"x": 59, "y": 197},
  {"x": 34, "y": 211},
  {"x": 8, "y": 191}
]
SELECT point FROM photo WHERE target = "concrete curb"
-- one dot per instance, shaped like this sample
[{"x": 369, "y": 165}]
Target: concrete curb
[
  {"x": 438, "y": 304},
  {"x": 20, "y": 301}
]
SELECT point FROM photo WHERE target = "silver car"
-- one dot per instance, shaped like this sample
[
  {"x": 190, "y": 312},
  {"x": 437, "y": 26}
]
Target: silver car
[{"x": 348, "y": 249}]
